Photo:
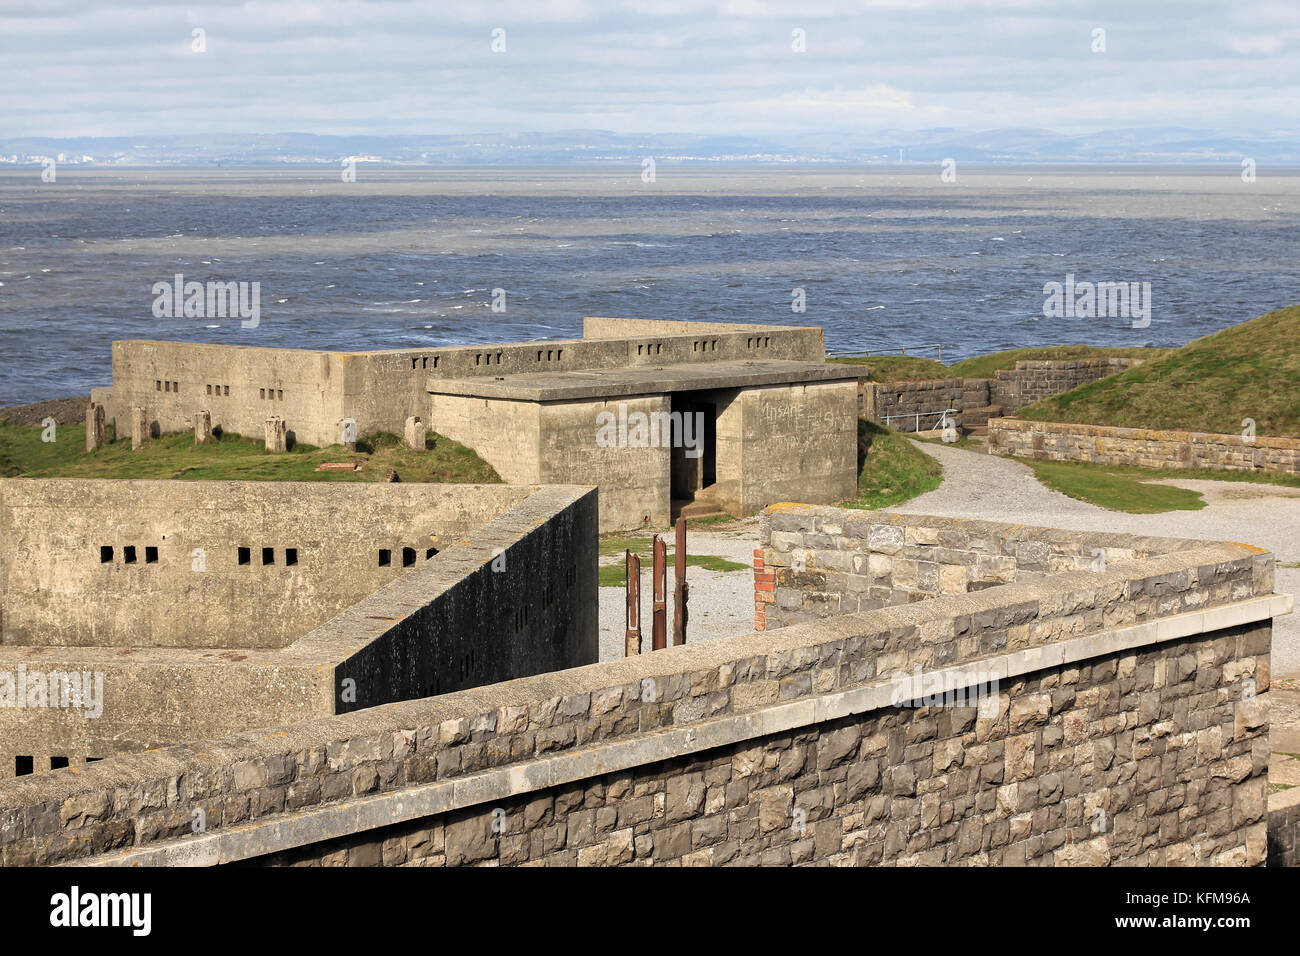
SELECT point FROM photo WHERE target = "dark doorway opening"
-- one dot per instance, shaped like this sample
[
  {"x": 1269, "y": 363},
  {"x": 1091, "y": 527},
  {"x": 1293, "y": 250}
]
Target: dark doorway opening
[{"x": 694, "y": 458}]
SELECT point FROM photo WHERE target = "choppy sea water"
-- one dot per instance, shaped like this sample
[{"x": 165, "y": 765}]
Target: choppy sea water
[{"x": 409, "y": 258}]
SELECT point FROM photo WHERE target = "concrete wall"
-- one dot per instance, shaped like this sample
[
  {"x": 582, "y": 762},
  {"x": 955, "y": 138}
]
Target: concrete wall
[
  {"x": 1284, "y": 828},
  {"x": 513, "y": 595},
  {"x": 1142, "y": 447},
  {"x": 315, "y": 391},
  {"x": 506, "y": 434},
  {"x": 173, "y": 380},
  {"x": 799, "y": 443},
  {"x": 1129, "y": 726},
  {"x": 58, "y": 589}
]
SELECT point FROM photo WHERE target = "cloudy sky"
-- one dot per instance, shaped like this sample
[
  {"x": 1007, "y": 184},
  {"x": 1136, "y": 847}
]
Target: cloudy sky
[{"x": 129, "y": 67}]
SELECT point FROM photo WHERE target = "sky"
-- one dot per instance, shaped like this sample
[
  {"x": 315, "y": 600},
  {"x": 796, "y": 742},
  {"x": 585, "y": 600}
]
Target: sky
[{"x": 135, "y": 67}]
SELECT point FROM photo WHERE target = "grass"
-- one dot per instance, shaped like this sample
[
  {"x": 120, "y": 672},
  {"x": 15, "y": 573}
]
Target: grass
[
  {"x": 895, "y": 368},
  {"x": 1251, "y": 370},
  {"x": 612, "y": 575},
  {"x": 232, "y": 457},
  {"x": 891, "y": 469},
  {"x": 1279, "y": 787},
  {"x": 1112, "y": 489}
]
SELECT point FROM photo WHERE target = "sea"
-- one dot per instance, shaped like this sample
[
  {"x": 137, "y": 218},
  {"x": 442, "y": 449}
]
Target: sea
[{"x": 880, "y": 257}]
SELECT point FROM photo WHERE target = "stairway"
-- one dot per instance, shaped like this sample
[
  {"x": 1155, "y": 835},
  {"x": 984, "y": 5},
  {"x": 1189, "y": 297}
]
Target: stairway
[
  {"x": 703, "y": 505},
  {"x": 975, "y": 421}
]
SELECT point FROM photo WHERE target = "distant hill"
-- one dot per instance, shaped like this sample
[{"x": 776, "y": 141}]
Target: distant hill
[
  {"x": 1251, "y": 370},
  {"x": 887, "y": 147}
]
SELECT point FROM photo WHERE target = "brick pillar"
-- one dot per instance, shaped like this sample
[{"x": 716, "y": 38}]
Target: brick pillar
[
  {"x": 94, "y": 426},
  {"x": 416, "y": 432},
  {"x": 276, "y": 435},
  {"x": 139, "y": 427},
  {"x": 202, "y": 427},
  {"x": 764, "y": 590}
]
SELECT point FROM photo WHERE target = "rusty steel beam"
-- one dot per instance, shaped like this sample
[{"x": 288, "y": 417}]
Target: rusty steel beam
[
  {"x": 681, "y": 592},
  {"x": 632, "y": 568},
  {"x": 659, "y": 575}
]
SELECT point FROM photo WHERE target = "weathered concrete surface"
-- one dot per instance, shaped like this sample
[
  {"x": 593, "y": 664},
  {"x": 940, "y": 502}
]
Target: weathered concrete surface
[{"x": 510, "y": 594}]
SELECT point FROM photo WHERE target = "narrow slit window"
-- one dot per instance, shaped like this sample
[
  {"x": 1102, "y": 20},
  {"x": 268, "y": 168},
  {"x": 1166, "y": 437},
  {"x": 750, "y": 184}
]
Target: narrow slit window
[
  {"x": 430, "y": 553},
  {"x": 22, "y": 766},
  {"x": 385, "y": 557},
  {"x": 408, "y": 557},
  {"x": 151, "y": 554},
  {"x": 268, "y": 556},
  {"x": 128, "y": 554},
  {"x": 245, "y": 555},
  {"x": 227, "y": 389},
  {"x": 58, "y": 763},
  {"x": 290, "y": 556},
  {"x": 105, "y": 554}
]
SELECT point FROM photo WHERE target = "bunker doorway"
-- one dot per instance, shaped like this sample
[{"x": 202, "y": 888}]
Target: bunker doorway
[{"x": 694, "y": 456}]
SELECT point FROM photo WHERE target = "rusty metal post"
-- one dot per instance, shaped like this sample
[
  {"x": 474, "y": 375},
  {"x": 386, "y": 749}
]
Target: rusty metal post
[
  {"x": 632, "y": 641},
  {"x": 659, "y": 575},
  {"x": 681, "y": 590}
]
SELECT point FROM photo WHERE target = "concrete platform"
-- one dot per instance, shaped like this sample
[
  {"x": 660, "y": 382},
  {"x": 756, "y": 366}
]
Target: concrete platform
[{"x": 641, "y": 380}]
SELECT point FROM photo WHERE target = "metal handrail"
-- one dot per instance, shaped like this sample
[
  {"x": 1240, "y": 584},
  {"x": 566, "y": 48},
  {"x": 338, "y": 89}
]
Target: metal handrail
[{"x": 917, "y": 415}]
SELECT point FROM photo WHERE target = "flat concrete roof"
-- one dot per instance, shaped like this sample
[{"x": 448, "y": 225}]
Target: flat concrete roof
[{"x": 642, "y": 380}]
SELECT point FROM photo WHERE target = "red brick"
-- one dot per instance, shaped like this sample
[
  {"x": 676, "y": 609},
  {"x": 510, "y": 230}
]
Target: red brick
[{"x": 764, "y": 586}]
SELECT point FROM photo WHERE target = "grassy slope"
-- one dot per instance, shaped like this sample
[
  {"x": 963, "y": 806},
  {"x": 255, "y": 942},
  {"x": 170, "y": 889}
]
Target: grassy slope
[
  {"x": 1251, "y": 370},
  {"x": 231, "y": 458},
  {"x": 891, "y": 469}
]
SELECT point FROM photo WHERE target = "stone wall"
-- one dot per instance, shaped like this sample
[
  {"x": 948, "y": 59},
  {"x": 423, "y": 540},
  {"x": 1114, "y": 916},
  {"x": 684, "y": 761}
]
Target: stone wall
[
  {"x": 1033, "y": 380},
  {"x": 1010, "y": 390},
  {"x": 1142, "y": 447},
  {"x": 819, "y": 562},
  {"x": 1284, "y": 828},
  {"x": 513, "y": 594},
  {"x": 1127, "y": 726}
]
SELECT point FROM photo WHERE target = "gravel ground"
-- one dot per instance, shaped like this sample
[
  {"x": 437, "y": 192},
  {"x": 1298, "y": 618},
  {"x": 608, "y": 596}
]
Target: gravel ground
[
  {"x": 721, "y": 602},
  {"x": 65, "y": 411},
  {"x": 990, "y": 488}
]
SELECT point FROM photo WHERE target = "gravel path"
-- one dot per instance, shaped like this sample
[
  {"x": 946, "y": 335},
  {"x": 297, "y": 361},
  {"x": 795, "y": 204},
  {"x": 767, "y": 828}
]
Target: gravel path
[
  {"x": 990, "y": 488},
  {"x": 721, "y": 602}
]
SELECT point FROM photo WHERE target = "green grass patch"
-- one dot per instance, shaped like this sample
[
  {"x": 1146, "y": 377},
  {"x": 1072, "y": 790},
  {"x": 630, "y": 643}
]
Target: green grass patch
[
  {"x": 232, "y": 457},
  {"x": 986, "y": 366},
  {"x": 1112, "y": 488},
  {"x": 1251, "y": 370},
  {"x": 895, "y": 368},
  {"x": 614, "y": 575},
  {"x": 1279, "y": 787},
  {"x": 891, "y": 469}
]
